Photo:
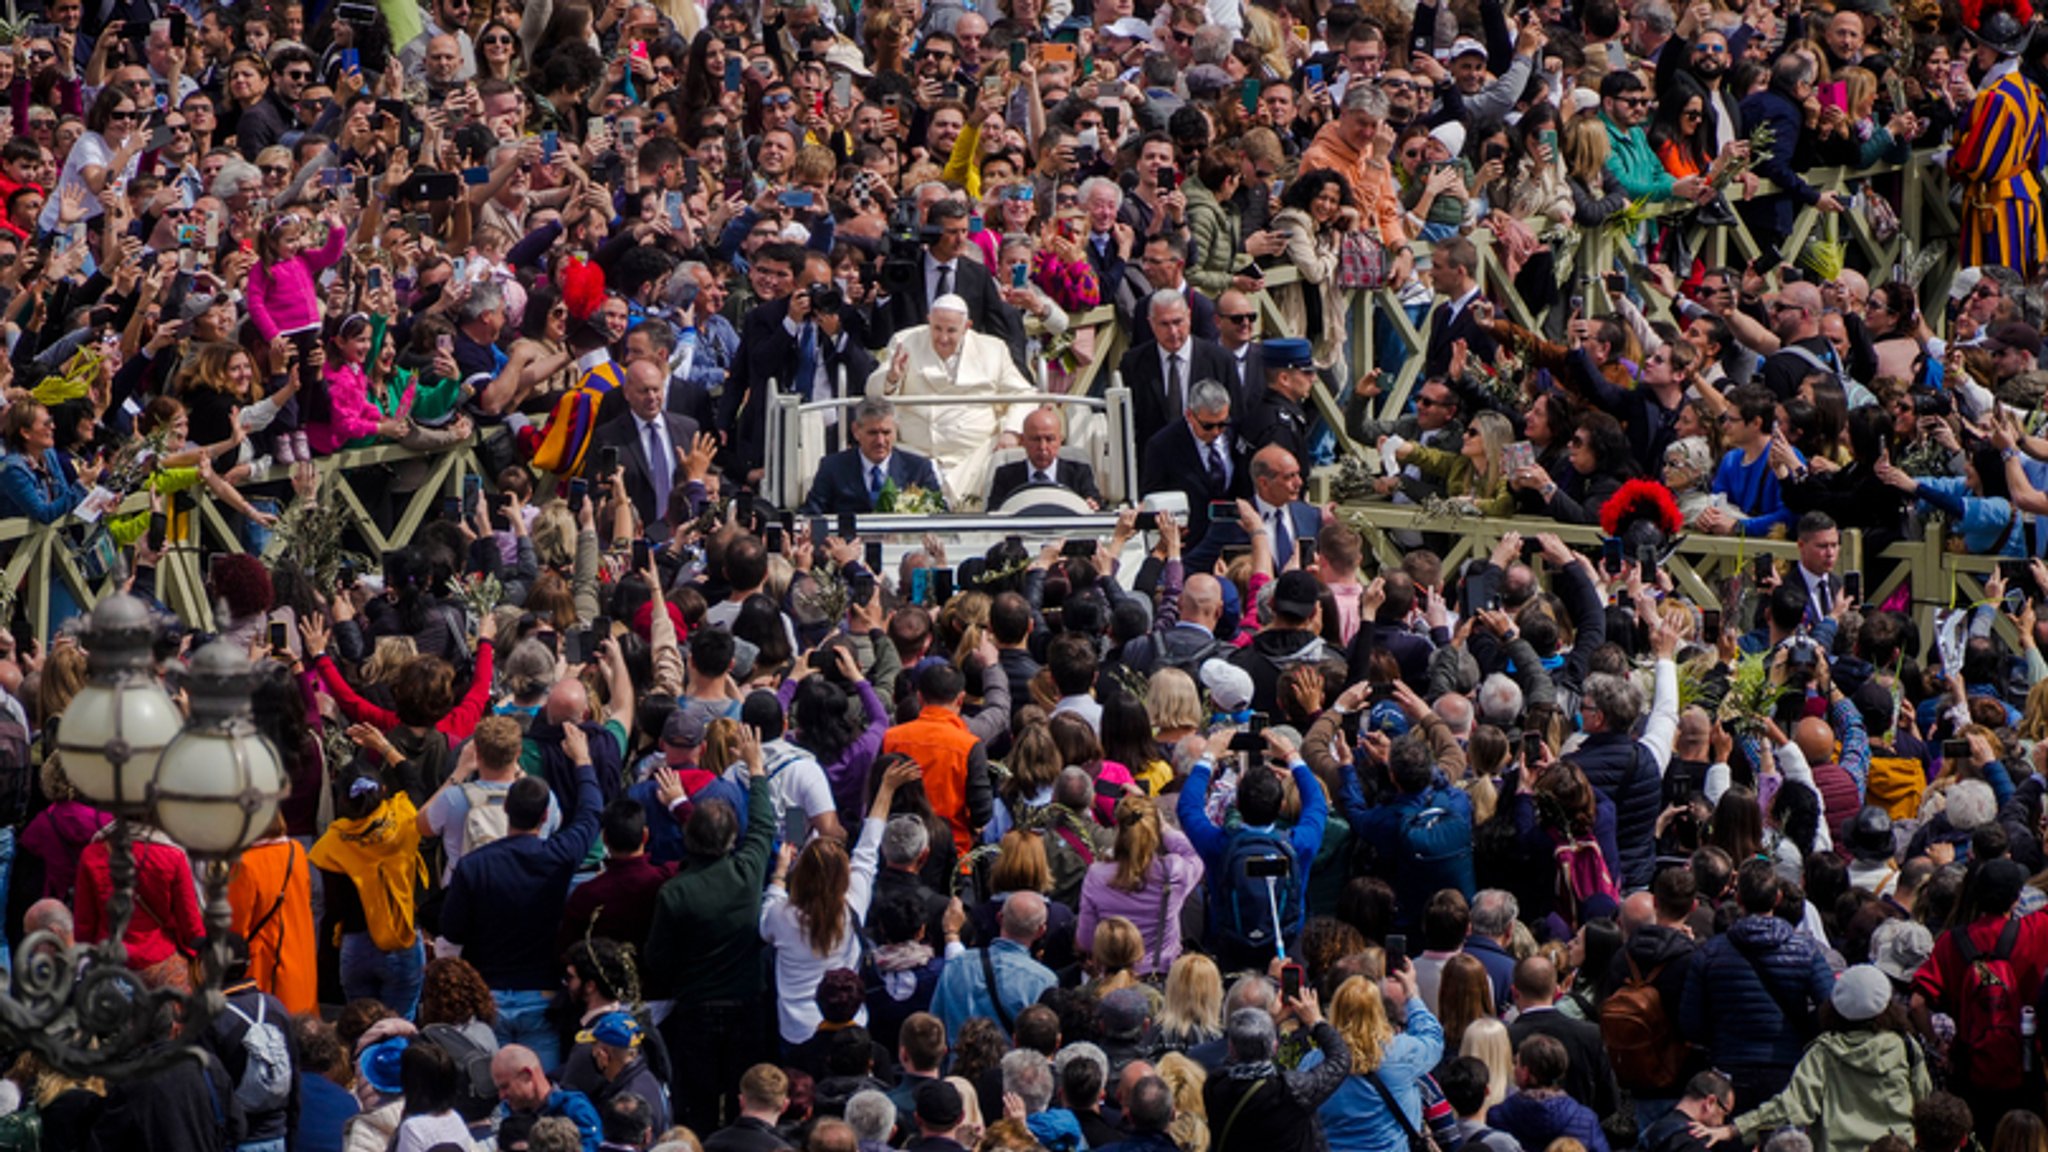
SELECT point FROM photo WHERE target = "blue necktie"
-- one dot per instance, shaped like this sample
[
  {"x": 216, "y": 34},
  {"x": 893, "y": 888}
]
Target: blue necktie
[
  {"x": 1283, "y": 540},
  {"x": 657, "y": 469},
  {"x": 807, "y": 361},
  {"x": 874, "y": 482}
]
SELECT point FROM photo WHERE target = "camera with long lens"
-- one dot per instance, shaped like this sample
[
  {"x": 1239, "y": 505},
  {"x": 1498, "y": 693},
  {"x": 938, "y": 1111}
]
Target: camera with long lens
[
  {"x": 903, "y": 248},
  {"x": 1931, "y": 403}
]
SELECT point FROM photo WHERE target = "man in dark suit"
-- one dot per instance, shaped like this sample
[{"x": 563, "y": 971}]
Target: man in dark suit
[
  {"x": 1163, "y": 267},
  {"x": 1042, "y": 466},
  {"x": 945, "y": 267},
  {"x": 1285, "y": 520},
  {"x": 849, "y": 480},
  {"x": 1237, "y": 322},
  {"x": 1454, "y": 274},
  {"x": 1107, "y": 241},
  {"x": 1192, "y": 456},
  {"x": 651, "y": 441},
  {"x": 797, "y": 346},
  {"x": 1009, "y": 624},
  {"x": 1160, "y": 371},
  {"x": 1589, "y": 1079},
  {"x": 1277, "y": 416}
]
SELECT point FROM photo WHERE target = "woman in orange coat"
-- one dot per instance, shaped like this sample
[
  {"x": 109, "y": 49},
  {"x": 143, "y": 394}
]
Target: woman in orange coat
[{"x": 271, "y": 892}]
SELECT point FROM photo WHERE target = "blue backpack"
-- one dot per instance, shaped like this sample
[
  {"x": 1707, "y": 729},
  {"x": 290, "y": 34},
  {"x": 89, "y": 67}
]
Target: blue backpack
[
  {"x": 1439, "y": 843},
  {"x": 1248, "y": 915}
]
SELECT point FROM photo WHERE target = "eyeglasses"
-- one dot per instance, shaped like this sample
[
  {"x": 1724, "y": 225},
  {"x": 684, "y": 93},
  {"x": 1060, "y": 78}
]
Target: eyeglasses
[
  {"x": 1068, "y": 200},
  {"x": 1397, "y": 85},
  {"x": 1581, "y": 442},
  {"x": 130, "y": 115},
  {"x": 1180, "y": 37},
  {"x": 1729, "y": 418},
  {"x": 934, "y": 54},
  {"x": 274, "y": 170},
  {"x": 41, "y": 54},
  {"x": 491, "y": 41},
  {"x": 1634, "y": 101},
  {"x": 1710, "y": 49},
  {"x": 1435, "y": 402},
  {"x": 1238, "y": 317},
  {"x": 299, "y": 74},
  {"x": 1211, "y": 425},
  {"x": 1690, "y": 114},
  {"x": 778, "y": 99}
]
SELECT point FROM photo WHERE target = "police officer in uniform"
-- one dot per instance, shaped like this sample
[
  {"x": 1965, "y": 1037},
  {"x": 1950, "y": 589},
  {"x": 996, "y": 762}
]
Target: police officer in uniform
[{"x": 1278, "y": 416}]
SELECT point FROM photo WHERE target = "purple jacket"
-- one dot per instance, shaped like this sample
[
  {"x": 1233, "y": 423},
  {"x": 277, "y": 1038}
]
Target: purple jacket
[
  {"x": 58, "y": 836},
  {"x": 1180, "y": 866},
  {"x": 849, "y": 773}
]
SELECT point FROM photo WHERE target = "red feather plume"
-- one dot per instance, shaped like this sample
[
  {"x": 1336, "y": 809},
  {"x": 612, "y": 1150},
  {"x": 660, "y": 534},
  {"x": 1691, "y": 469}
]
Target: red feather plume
[
  {"x": 582, "y": 287},
  {"x": 1974, "y": 11},
  {"x": 1639, "y": 500}
]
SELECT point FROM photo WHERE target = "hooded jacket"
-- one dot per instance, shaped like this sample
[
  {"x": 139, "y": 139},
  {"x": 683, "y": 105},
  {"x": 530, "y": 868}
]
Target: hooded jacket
[
  {"x": 379, "y": 854},
  {"x": 1750, "y": 998},
  {"x": 1625, "y": 771},
  {"x": 1271, "y": 653},
  {"x": 1853, "y": 1086}
]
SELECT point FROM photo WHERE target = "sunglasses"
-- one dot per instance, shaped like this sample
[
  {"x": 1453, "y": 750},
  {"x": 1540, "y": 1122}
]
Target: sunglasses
[
  {"x": 274, "y": 170},
  {"x": 778, "y": 99},
  {"x": 1212, "y": 425},
  {"x": 1710, "y": 49},
  {"x": 1636, "y": 101},
  {"x": 491, "y": 41},
  {"x": 1238, "y": 317}
]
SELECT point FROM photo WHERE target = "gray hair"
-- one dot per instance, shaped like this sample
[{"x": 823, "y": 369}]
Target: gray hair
[
  {"x": 1252, "y": 990},
  {"x": 1657, "y": 15},
  {"x": 904, "y": 840},
  {"x": 228, "y": 180},
  {"x": 1094, "y": 184},
  {"x": 1251, "y": 1036},
  {"x": 1081, "y": 1050},
  {"x": 1023, "y": 916},
  {"x": 1029, "y": 1075},
  {"x": 1149, "y": 1105},
  {"x": 1971, "y": 805},
  {"x": 1500, "y": 701},
  {"x": 1212, "y": 44},
  {"x": 1208, "y": 397},
  {"x": 1789, "y": 1140},
  {"x": 1618, "y": 699},
  {"x": 1791, "y": 71},
  {"x": 1456, "y": 711},
  {"x": 873, "y": 408},
  {"x": 1693, "y": 454},
  {"x": 1164, "y": 298},
  {"x": 482, "y": 298},
  {"x": 1494, "y": 913},
  {"x": 872, "y": 1115},
  {"x": 1367, "y": 99},
  {"x": 1160, "y": 71}
]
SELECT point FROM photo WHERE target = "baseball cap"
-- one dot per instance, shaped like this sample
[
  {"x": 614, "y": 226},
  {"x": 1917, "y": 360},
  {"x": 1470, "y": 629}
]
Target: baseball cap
[
  {"x": 1130, "y": 28},
  {"x": 1466, "y": 46},
  {"x": 1230, "y": 687},
  {"x": 938, "y": 1104},
  {"x": 1295, "y": 593},
  {"x": 2014, "y": 334},
  {"x": 613, "y": 1029},
  {"x": 684, "y": 728}
]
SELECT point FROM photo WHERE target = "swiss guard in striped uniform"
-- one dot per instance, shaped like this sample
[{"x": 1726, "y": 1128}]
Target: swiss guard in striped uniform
[{"x": 2002, "y": 153}]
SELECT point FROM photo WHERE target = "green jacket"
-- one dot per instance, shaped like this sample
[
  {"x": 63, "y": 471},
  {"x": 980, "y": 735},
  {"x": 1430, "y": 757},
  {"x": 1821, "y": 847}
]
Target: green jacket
[
  {"x": 1455, "y": 472},
  {"x": 1853, "y": 1086},
  {"x": 1213, "y": 232},
  {"x": 1635, "y": 163},
  {"x": 705, "y": 942}
]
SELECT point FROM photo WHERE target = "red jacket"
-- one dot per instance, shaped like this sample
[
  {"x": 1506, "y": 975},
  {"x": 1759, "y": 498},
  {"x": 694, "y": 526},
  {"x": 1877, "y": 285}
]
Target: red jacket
[
  {"x": 460, "y": 722},
  {"x": 166, "y": 917}
]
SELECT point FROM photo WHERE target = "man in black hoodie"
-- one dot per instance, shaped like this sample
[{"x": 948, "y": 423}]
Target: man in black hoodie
[{"x": 1291, "y": 639}]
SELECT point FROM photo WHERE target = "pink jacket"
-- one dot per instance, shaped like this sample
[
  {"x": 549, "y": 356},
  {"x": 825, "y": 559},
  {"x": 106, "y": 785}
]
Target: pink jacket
[
  {"x": 282, "y": 296},
  {"x": 352, "y": 415}
]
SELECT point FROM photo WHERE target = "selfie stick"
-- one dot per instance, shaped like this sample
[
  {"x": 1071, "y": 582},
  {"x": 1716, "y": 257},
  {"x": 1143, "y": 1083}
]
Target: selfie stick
[{"x": 1273, "y": 901}]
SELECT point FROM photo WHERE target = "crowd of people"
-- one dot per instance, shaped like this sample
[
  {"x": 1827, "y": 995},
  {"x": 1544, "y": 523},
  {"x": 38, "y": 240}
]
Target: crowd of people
[{"x": 631, "y": 810}]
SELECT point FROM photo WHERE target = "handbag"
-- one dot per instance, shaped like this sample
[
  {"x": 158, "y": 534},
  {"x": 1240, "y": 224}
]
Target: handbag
[
  {"x": 1419, "y": 1140},
  {"x": 1362, "y": 261}
]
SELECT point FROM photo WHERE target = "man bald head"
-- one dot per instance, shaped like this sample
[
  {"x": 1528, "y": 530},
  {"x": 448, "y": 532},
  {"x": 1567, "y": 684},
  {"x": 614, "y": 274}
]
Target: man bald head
[
  {"x": 1815, "y": 739},
  {"x": 1638, "y": 912},
  {"x": 1023, "y": 918},
  {"x": 568, "y": 702},
  {"x": 521, "y": 1084},
  {"x": 1043, "y": 438},
  {"x": 1201, "y": 600},
  {"x": 1795, "y": 311},
  {"x": 1535, "y": 983}
]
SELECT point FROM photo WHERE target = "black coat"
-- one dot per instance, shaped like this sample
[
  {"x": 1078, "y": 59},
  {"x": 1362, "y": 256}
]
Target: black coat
[
  {"x": 190, "y": 1106},
  {"x": 1621, "y": 768},
  {"x": 1072, "y": 475},
  {"x": 625, "y": 436},
  {"x": 1589, "y": 1079},
  {"x": 1479, "y": 341},
  {"x": 767, "y": 355},
  {"x": 1151, "y": 408},
  {"x": 1173, "y": 462}
]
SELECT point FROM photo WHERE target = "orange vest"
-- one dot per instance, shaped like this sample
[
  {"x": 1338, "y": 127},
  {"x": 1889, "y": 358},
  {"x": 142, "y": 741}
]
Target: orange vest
[
  {"x": 271, "y": 892},
  {"x": 940, "y": 743}
]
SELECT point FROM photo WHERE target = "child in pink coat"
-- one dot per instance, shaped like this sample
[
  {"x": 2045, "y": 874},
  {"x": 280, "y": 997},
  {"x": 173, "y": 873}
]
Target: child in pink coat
[
  {"x": 284, "y": 301},
  {"x": 351, "y": 414}
]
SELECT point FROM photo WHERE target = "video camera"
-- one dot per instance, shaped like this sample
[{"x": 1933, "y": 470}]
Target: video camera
[{"x": 903, "y": 248}]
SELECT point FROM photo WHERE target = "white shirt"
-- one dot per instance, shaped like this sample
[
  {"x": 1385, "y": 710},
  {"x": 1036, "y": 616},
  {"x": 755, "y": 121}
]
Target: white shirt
[
  {"x": 1816, "y": 589},
  {"x": 1222, "y": 456},
  {"x": 932, "y": 264},
  {"x": 799, "y": 970},
  {"x": 1273, "y": 516},
  {"x": 1460, "y": 304}
]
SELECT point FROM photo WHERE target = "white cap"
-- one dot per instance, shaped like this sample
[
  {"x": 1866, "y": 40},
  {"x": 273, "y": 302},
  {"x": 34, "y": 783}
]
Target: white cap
[
  {"x": 951, "y": 303},
  {"x": 1130, "y": 28},
  {"x": 1466, "y": 46}
]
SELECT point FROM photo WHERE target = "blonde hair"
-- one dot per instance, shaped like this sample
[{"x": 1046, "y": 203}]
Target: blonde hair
[
  {"x": 1021, "y": 865},
  {"x": 1173, "y": 701},
  {"x": 1496, "y": 434},
  {"x": 1190, "y": 1127},
  {"x": 61, "y": 678},
  {"x": 1194, "y": 1000},
  {"x": 2034, "y": 722},
  {"x": 1358, "y": 1014},
  {"x": 1486, "y": 1040},
  {"x": 391, "y": 654},
  {"x": 1585, "y": 148},
  {"x": 1138, "y": 837},
  {"x": 1119, "y": 947},
  {"x": 554, "y": 535}
]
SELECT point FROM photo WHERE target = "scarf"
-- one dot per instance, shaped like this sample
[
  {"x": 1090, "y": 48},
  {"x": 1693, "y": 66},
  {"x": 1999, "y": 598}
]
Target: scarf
[{"x": 381, "y": 854}]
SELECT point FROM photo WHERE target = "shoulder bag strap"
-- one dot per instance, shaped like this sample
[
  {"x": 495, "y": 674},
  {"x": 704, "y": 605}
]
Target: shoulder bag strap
[
  {"x": 1393, "y": 1106},
  {"x": 1223, "y": 1141},
  {"x": 1165, "y": 905},
  {"x": 988, "y": 974}
]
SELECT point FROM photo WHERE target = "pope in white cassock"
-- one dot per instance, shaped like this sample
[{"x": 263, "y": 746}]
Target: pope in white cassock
[{"x": 946, "y": 358}]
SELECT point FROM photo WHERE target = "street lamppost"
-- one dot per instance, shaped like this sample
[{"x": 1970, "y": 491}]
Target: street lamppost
[{"x": 211, "y": 783}]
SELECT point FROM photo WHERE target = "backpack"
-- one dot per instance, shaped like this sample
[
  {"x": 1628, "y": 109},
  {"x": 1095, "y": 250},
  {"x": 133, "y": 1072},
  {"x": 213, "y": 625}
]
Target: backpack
[
  {"x": 1249, "y": 911},
  {"x": 1581, "y": 875},
  {"x": 1648, "y": 1054},
  {"x": 1896, "y": 784},
  {"x": 1987, "y": 1043},
  {"x": 267, "y": 1078},
  {"x": 476, "y": 1096},
  {"x": 1439, "y": 844},
  {"x": 486, "y": 820}
]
